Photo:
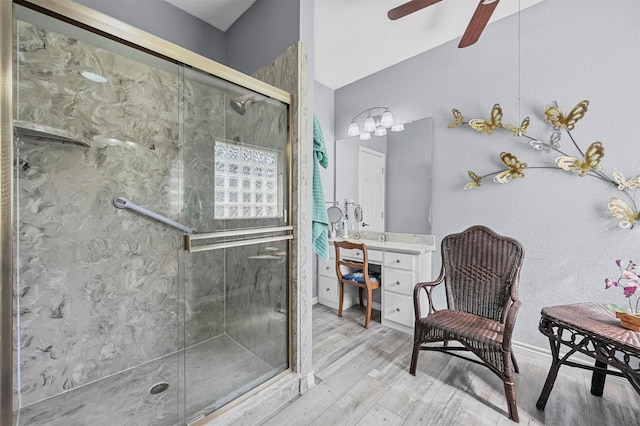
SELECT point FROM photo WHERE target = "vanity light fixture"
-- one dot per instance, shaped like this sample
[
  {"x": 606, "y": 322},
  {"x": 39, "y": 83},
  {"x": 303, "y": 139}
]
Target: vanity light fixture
[{"x": 377, "y": 121}]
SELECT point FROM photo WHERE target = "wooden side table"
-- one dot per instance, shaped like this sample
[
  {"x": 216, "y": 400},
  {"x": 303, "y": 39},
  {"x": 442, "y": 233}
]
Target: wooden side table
[{"x": 593, "y": 330}]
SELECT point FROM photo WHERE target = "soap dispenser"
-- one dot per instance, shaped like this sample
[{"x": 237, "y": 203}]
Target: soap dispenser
[{"x": 345, "y": 228}]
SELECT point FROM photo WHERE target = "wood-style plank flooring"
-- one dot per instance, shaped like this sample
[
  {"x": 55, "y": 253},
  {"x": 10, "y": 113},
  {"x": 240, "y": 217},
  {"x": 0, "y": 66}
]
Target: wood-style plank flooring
[{"x": 362, "y": 378}]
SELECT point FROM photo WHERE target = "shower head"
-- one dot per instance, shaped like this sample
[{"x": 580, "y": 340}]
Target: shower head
[{"x": 240, "y": 103}]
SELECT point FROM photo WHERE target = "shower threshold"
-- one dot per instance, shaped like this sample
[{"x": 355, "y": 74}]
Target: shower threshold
[{"x": 216, "y": 372}]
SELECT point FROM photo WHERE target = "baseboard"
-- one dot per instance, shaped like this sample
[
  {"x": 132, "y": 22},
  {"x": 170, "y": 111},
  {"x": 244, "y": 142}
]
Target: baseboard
[
  {"x": 544, "y": 355},
  {"x": 314, "y": 300},
  {"x": 310, "y": 382},
  {"x": 531, "y": 351},
  {"x": 374, "y": 305}
]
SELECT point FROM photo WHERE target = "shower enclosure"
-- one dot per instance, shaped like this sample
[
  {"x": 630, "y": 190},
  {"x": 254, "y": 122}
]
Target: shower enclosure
[{"x": 152, "y": 232}]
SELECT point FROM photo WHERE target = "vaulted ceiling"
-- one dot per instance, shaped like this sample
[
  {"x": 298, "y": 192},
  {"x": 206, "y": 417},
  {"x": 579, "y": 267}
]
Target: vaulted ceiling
[{"x": 354, "y": 38}]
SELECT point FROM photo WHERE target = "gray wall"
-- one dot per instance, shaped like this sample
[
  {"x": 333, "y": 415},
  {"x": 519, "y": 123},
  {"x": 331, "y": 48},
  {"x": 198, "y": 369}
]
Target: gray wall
[
  {"x": 262, "y": 33},
  {"x": 259, "y": 36},
  {"x": 166, "y": 21},
  {"x": 563, "y": 51},
  {"x": 323, "y": 109}
]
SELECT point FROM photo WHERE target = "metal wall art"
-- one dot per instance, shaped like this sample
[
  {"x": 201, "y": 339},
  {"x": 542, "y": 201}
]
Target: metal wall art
[{"x": 587, "y": 163}]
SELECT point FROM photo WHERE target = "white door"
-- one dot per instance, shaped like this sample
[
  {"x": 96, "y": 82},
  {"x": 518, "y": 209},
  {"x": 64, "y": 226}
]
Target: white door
[{"x": 371, "y": 188}]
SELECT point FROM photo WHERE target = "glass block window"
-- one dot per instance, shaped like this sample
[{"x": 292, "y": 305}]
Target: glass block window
[{"x": 246, "y": 181}]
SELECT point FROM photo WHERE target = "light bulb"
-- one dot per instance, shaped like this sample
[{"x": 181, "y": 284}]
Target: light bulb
[
  {"x": 387, "y": 119},
  {"x": 380, "y": 131},
  {"x": 369, "y": 125},
  {"x": 365, "y": 136},
  {"x": 397, "y": 127},
  {"x": 354, "y": 130}
]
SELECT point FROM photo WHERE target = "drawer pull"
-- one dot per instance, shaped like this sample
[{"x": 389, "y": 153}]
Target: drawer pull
[
  {"x": 397, "y": 260},
  {"x": 398, "y": 309},
  {"x": 328, "y": 289},
  {"x": 327, "y": 268},
  {"x": 397, "y": 282}
]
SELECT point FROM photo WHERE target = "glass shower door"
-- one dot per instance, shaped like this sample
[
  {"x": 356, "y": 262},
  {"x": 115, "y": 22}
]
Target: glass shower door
[
  {"x": 236, "y": 271},
  {"x": 96, "y": 287}
]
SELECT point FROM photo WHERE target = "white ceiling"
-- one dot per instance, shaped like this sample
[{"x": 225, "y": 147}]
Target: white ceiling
[
  {"x": 219, "y": 13},
  {"x": 354, "y": 38}
]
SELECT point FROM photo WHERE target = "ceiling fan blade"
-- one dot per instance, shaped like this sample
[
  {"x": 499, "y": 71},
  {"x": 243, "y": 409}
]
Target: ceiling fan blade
[
  {"x": 409, "y": 7},
  {"x": 478, "y": 21}
]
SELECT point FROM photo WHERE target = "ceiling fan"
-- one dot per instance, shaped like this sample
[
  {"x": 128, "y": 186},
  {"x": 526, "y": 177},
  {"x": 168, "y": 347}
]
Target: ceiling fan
[{"x": 478, "y": 21}]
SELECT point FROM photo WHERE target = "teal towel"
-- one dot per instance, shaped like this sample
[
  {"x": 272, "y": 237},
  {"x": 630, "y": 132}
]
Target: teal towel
[{"x": 319, "y": 220}]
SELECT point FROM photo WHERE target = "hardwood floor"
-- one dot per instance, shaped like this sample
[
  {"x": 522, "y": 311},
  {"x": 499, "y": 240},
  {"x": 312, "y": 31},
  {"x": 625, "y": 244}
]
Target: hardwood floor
[{"x": 362, "y": 378}]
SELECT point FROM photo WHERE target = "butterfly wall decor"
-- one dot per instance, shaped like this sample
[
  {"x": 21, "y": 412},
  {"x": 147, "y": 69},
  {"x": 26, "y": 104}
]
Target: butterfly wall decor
[
  {"x": 586, "y": 163},
  {"x": 591, "y": 160},
  {"x": 627, "y": 217},
  {"x": 554, "y": 142},
  {"x": 623, "y": 183},
  {"x": 514, "y": 171},
  {"x": 554, "y": 116},
  {"x": 519, "y": 131},
  {"x": 488, "y": 126}
]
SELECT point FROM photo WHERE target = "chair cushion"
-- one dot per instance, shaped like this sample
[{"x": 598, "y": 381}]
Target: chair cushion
[
  {"x": 466, "y": 325},
  {"x": 358, "y": 276}
]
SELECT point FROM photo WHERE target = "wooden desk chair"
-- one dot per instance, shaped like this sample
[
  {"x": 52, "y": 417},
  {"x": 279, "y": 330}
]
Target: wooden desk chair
[
  {"x": 355, "y": 273},
  {"x": 480, "y": 271}
]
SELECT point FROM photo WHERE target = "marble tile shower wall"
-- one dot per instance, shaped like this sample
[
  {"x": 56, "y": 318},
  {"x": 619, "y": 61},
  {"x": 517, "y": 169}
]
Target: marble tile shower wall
[{"x": 97, "y": 288}]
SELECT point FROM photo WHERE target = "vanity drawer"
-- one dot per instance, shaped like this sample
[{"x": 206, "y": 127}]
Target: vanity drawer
[
  {"x": 398, "y": 308},
  {"x": 399, "y": 281},
  {"x": 327, "y": 269},
  {"x": 374, "y": 255},
  {"x": 328, "y": 290},
  {"x": 399, "y": 260}
]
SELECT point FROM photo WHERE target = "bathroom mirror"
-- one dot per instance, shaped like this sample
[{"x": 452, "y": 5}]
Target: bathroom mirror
[
  {"x": 407, "y": 177},
  {"x": 335, "y": 214}
]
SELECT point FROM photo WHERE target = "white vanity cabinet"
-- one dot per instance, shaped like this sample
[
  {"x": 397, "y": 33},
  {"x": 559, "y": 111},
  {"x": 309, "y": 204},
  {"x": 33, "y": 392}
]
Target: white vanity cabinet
[
  {"x": 328, "y": 287},
  {"x": 402, "y": 265},
  {"x": 400, "y": 273}
]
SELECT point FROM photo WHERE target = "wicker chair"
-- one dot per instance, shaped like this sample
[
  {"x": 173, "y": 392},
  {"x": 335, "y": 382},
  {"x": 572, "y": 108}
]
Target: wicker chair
[
  {"x": 355, "y": 273},
  {"x": 480, "y": 271}
]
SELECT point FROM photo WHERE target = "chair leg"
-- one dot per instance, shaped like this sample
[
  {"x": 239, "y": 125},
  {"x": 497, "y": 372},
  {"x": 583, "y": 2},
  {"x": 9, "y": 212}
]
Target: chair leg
[
  {"x": 416, "y": 351},
  {"x": 341, "y": 299},
  {"x": 515, "y": 363},
  {"x": 360, "y": 295},
  {"x": 510, "y": 393},
  {"x": 368, "y": 317}
]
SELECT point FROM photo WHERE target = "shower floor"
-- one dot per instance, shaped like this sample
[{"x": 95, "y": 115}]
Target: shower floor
[{"x": 217, "y": 371}]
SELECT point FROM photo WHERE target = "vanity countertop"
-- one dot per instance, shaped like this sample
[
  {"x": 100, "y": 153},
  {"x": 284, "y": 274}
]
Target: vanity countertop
[{"x": 398, "y": 247}]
